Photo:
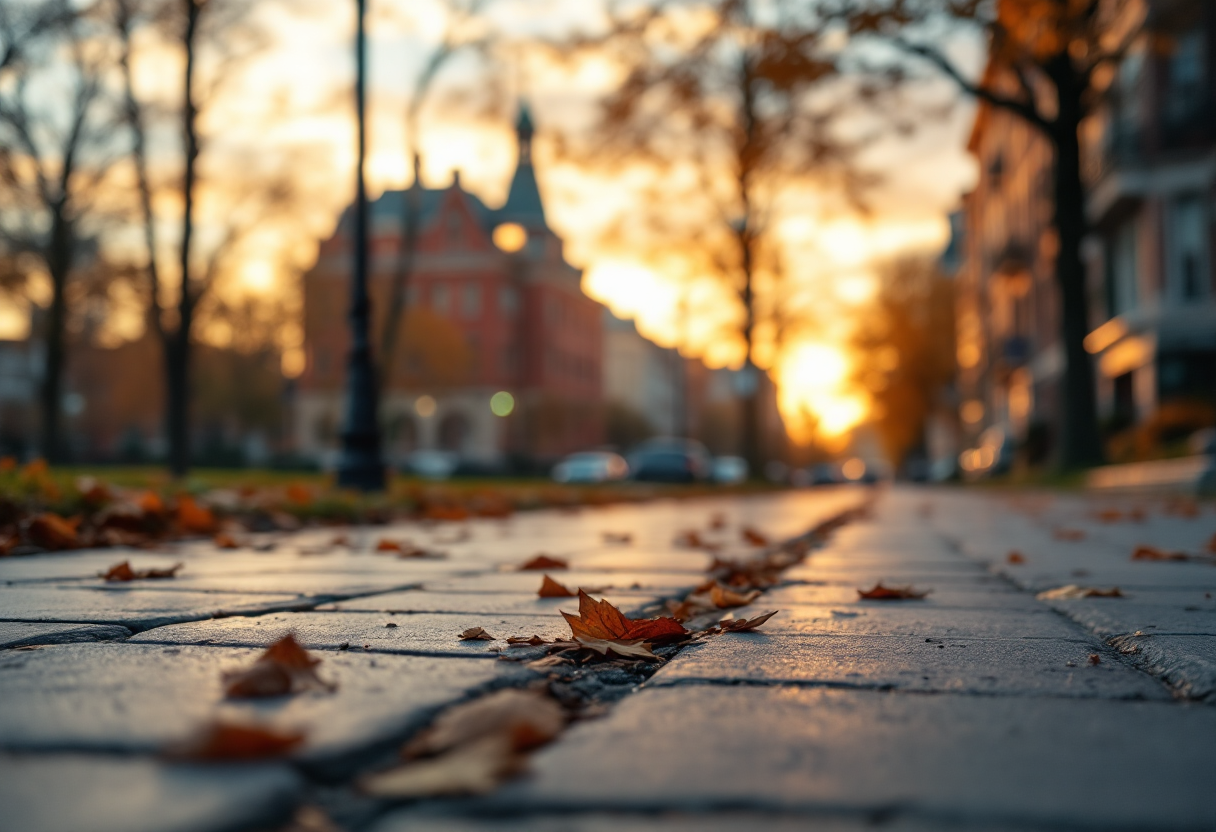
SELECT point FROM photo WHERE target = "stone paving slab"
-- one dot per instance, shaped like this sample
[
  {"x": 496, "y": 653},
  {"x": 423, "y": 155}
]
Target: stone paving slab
[
  {"x": 634, "y": 559},
  {"x": 23, "y": 633},
  {"x": 410, "y": 820},
  {"x": 623, "y": 582},
  {"x": 1010, "y": 667},
  {"x": 941, "y": 596},
  {"x": 1126, "y": 576},
  {"x": 1186, "y": 663},
  {"x": 136, "y": 608},
  {"x": 423, "y": 633},
  {"x": 917, "y": 620},
  {"x": 74, "y": 793},
  {"x": 477, "y": 603},
  {"x": 1070, "y": 763},
  {"x": 143, "y": 697},
  {"x": 1106, "y": 619}
]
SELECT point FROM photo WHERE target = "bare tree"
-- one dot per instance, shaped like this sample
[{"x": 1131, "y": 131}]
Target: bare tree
[
  {"x": 52, "y": 162},
  {"x": 735, "y": 98},
  {"x": 1044, "y": 57},
  {"x": 220, "y": 28}
]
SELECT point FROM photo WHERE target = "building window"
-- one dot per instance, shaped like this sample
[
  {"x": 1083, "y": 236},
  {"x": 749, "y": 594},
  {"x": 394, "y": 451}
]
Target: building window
[
  {"x": 508, "y": 300},
  {"x": 1186, "y": 255},
  {"x": 1186, "y": 72},
  {"x": 470, "y": 300},
  {"x": 441, "y": 298},
  {"x": 1121, "y": 270}
]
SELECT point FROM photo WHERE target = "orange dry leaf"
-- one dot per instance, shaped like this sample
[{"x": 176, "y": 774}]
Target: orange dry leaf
[
  {"x": 533, "y": 641},
  {"x": 1072, "y": 535},
  {"x": 723, "y": 598},
  {"x": 543, "y": 562},
  {"x": 1094, "y": 658},
  {"x": 1109, "y": 515},
  {"x": 150, "y": 503},
  {"x": 284, "y": 668},
  {"x": 550, "y": 588},
  {"x": 1016, "y": 557},
  {"x": 1144, "y": 552},
  {"x": 386, "y": 545},
  {"x": 1072, "y": 591},
  {"x": 124, "y": 572},
  {"x": 225, "y": 541},
  {"x": 599, "y": 620},
  {"x": 50, "y": 531},
  {"x": 891, "y": 593},
  {"x": 754, "y": 537},
  {"x": 194, "y": 518},
  {"x": 691, "y": 539},
  {"x": 476, "y": 634},
  {"x": 229, "y": 741},
  {"x": 299, "y": 494},
  {"x": 742, "y": 625}
]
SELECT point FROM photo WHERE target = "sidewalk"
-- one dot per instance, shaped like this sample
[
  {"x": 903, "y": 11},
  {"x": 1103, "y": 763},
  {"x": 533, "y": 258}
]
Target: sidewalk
[{"x": 979, "y": 706}]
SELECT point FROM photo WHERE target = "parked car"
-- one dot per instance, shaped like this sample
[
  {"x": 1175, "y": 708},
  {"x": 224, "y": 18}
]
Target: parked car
[
  {"x": 729, "y": 470},
  {"x": 591, "y": 466},
  {"x": 670, "y": 460},
  {"x": 432, "y": 465}
]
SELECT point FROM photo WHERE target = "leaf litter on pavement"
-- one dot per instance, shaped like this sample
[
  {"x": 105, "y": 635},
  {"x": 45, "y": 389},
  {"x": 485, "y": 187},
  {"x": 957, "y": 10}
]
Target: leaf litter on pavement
[{"x": 285, "y": 668}]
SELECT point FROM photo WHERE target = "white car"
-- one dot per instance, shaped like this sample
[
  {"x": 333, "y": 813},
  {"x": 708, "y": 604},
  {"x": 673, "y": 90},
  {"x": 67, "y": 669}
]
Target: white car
[
  {"x": 591, "y": 466},
  {"x": 729, "y": 470}
]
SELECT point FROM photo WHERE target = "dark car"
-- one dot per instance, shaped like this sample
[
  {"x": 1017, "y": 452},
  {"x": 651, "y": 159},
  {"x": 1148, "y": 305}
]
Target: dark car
[{"x": 670, "y": 460}]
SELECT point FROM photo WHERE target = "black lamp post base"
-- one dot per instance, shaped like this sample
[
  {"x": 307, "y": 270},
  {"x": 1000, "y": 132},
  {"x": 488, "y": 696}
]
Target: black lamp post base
[{"x": 361, "y": 469}]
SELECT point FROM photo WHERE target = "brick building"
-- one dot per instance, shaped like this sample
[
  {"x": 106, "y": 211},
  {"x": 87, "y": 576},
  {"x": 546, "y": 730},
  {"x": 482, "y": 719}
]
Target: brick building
[{"x": 493, "y": 307}]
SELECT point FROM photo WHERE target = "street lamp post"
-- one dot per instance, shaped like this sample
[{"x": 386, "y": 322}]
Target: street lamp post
[{"x": 360, "y": 465}]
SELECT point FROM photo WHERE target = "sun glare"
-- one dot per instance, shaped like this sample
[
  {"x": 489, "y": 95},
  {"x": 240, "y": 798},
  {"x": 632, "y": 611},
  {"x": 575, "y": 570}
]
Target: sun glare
[{"x": 814, "y": 379}]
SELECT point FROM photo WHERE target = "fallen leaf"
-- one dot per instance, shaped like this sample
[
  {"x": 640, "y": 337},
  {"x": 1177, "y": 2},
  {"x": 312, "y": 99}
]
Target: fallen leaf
[
  {"x": 717, "y": 521},
  {"x": 690, "y": 539},
  {"x": 1072, "y": 535},
  {"x": 742, "y": 625},
  {"x": 723, "y": 598},
  {"x": 1094, "y": 658},
  {"x": 194, "y": 518},
  {"x": 1072, "y": 591},
  {"x": 754, "y": 537},
  {"x": 1016, "y": 557},
  {"x": 232, "y": 741},
  {"x": 1109, "y": 515},
  {"x": 891, "y": 593},
  {"x": 621, "y": 649},
  {"x": 50, "y": 531},
  {"x": 530, "y": 719},
  {"x": 1145, "y": 552},
  {"x": 520, "y": 641},
  {"x": 385, "y": 544},
  {"x": 620, "y": 538},
  {"x": 476, "y": 634},
  {"x": 299, "y": 494},
  {"x": 550, "y": 588},
  {"x": 599, "y": 620},
  {"x": 284, "y": 668},
  {"x": 149, "y": 502},
  {"x": 124, "y": 572},
  {"x": 476, "y": 768},
  {"x": 223, "y": 540},
  {"x": 544, "y": 562}
]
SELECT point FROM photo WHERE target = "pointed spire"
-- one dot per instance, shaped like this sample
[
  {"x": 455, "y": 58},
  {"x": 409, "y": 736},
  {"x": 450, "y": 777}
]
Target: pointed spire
[
  {"x": 524, "y": 130},
  {"x": 523, "y": 203}
]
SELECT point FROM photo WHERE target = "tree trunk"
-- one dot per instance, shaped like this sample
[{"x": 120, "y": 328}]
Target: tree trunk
[
  {"x": 59, "y": 263},
  {"x": 178, "y": 343},
  {"x": 1080, "y": 444}
]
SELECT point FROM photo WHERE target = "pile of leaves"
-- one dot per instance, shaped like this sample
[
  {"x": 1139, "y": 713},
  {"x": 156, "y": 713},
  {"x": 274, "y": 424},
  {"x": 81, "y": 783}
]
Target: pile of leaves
[{"x": 43, "y": 510}]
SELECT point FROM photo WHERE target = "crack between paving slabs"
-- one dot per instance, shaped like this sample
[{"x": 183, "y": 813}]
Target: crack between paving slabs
[
  {"x": 583, "y": 691},
  {"x": 1104, "y": 647}
]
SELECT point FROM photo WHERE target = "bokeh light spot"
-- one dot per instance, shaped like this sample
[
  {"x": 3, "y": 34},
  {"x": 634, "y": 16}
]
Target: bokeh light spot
[
  {"x": 502, "y": 403},
  {"x": 425, "y": 406}
]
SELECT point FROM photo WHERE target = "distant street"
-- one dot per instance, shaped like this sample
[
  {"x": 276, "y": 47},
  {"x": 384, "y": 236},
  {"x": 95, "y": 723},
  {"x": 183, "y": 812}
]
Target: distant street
[{"x": 1022, "y": 692}]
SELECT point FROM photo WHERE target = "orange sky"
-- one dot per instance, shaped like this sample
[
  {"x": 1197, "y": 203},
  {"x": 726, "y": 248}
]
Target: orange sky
[{"x": 308, "y": 71}]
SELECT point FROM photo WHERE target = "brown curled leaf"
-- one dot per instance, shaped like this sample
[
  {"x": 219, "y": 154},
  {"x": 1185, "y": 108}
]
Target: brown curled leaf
[
  {"x": 222, "y": 740},
  {"x": 891, "y": 593},
  {"x": 743, "y": 625},
  {"x": 550, "y": 588},
  {"x": 543, "y": 562},
  {"x": 121, "y": 572},
  {"x": 476, "y": 634}
]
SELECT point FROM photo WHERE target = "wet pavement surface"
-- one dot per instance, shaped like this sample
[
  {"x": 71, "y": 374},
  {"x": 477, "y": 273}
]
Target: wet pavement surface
[{"x": 983, "y": 705}]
